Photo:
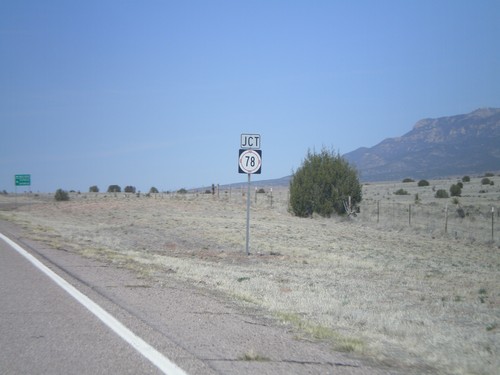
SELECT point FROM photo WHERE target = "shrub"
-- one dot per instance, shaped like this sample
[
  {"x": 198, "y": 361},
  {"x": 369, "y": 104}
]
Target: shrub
[
  {"x": 93, "y": 189},
  {"x": 485, "y": 181},
  {"x": 423, "y": 183},
  {"x": 455, "y": 190},
  {"x": 153, "y": 190},
  {"x": 441, "y": 193},
  {"x": 465, "y": 179},
  {"x": 401, "y": 192},
  {"x": 114, "y": 189},
  {"x": 129, "y": 189},
  {"x": 489, "y": 174},
  {"x": 322, "y": 184},
  {"x": 408, "y": 180},
  {"x": 261, "y": 191},
  {"x": 182, "y": 191},
  {"x": 61, "y": 195},
  {"x": 460, "y": 184}
]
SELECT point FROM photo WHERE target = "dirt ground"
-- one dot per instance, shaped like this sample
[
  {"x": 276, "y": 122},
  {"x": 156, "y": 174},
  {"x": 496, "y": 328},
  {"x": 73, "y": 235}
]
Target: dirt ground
[{"x": 409, "y": 299}]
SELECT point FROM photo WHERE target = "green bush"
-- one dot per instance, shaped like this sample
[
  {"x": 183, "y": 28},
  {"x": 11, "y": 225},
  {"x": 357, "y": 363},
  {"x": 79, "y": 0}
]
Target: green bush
[
  {"x": 441, "y": 193},
  {"x": 153, "y": 190},
  {"x": 423, "y": 183},
  {"x": 465, "y": 179},
  {"x": 114, "y": 189},
  {"x": 182, "y": 191},
  {"x": 93, "y": 189},
  {"x": 129, "y": 189},
  {"x": 401, "y": 192},
  {"x": 61, "y": 195},
  {"x": 408, "y": 180},
  {"x": 489, "y": 174},
  {"x": 455, "y": 190},
  {"x": 485, "y": 181},
  {"x": 322, "y": 184}
]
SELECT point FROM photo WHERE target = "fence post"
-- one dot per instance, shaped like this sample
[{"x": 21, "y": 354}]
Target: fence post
[
  {"x": 446, "y": 219},
  {"x": 378, "y": 211},
  {"x": 492, "y": 223},
  {"x": 409, "y": 215}
]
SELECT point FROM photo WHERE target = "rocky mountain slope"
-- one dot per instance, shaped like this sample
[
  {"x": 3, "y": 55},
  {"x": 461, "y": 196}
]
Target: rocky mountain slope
[{"x": 446, "y": 146}]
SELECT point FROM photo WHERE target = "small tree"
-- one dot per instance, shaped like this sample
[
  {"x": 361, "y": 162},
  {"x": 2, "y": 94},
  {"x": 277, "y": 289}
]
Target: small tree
[
  {"x": 485, "y": 181},
  {"x": 93, "y": 189},
  {"x": 129, "y": 189},
  {"x": 455, "y": 190},
  {"x": 441, "y": 193},
  {"x": 61, "y": 195},
  {"x": 408, "y": 180},
  {"x": 114, "y": 189},
  {"x": 323, "y": 184},
  {"x": 422, "y": 183},
  {"x": 465, "y": 179},
  {"x": 153, "y": 190},
  {"x": 401, "y": 192}
]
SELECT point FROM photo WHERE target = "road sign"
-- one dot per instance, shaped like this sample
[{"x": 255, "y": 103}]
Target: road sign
[
  {"x": 250, "y": 161},
  {"x": 23, "y": 179},
  {"x": 250, "y": 141}
]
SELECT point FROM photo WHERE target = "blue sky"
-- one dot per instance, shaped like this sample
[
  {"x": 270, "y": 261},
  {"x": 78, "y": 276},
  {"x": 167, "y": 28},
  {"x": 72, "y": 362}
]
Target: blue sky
[{"x": 157, "y": 93}]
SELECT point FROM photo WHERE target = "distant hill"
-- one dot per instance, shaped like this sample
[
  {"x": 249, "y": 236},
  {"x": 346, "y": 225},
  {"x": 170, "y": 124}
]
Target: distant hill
[{"x": 446, "y": 146}]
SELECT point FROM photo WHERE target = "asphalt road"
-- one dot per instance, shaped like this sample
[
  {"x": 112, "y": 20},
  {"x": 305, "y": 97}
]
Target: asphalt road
[{"x": 44, "y": 330}]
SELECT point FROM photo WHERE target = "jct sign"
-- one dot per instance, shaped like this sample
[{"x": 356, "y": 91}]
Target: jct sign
[{"x": 250, "y": 141}]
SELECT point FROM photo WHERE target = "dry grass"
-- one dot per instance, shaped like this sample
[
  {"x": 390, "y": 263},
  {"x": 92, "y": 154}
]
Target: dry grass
[{"x": 400, "y": 295}]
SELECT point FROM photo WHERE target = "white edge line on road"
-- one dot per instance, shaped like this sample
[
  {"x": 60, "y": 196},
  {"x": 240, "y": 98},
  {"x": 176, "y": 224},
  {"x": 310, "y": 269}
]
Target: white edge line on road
[{"x": 155, "y": 357}]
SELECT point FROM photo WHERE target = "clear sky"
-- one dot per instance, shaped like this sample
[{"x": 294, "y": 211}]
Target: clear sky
[{"x": 157, "y": 93}]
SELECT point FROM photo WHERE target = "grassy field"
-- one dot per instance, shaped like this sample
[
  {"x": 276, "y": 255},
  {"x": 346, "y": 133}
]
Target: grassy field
[{"x": 394, "y": 285}]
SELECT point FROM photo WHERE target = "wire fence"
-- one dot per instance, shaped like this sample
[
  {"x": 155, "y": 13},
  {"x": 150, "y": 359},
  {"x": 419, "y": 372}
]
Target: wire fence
[{"x": 472, "y": 223}]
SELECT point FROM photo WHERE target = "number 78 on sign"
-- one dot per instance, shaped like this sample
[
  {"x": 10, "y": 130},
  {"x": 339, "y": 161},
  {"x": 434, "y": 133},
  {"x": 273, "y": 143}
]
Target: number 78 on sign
[{"x": 250, "y": 161}]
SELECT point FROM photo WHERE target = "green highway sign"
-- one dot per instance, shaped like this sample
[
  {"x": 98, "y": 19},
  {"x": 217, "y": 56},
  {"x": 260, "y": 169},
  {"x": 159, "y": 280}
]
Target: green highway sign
[{"x": 23, "y": 180}]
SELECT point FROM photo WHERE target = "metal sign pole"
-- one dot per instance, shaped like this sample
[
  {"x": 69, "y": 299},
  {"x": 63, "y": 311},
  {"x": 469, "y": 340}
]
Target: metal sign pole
[
  {"x": 250, "y": 161},
  {"x": 248, "y": 216}
]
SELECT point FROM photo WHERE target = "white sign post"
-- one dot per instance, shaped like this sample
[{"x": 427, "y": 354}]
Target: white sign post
[{"x": 249, "y": 162}]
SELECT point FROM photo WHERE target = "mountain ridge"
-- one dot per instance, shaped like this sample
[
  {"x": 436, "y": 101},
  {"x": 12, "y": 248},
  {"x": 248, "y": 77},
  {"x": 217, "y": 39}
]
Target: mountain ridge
[{"x": 433, "y": 148}]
